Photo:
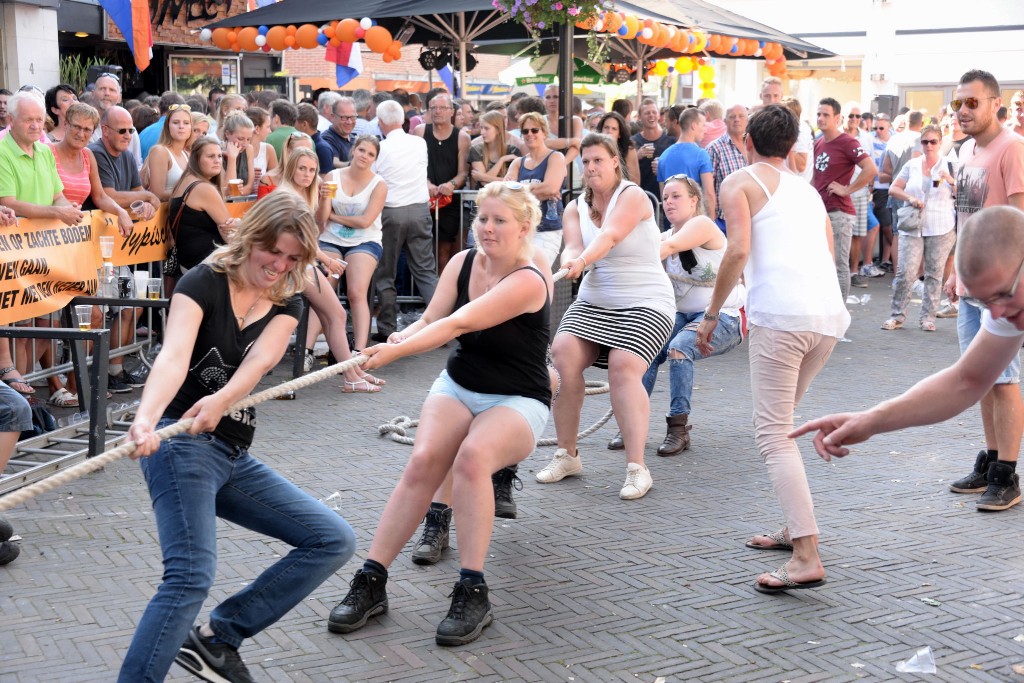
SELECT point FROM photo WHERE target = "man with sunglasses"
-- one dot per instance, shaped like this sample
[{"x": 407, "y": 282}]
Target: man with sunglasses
[
  {"x": 990, "y": 262},
  {"x": 861, "y": 197},
  {"x": 991, "y": 173}
]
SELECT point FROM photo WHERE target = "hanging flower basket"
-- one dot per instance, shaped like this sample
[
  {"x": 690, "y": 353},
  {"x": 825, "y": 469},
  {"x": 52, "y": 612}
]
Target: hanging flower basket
[{"x": 536, "y": 15}]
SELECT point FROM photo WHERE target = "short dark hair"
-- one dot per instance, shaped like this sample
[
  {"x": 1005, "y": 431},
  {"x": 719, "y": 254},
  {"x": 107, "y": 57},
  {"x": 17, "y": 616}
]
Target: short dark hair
[
  {"x": 285, "y": 111},
  {"x": 623, "y": 108},
  {"x": 672, "y": 113},
  {"x": 51, "y": 99},
  {"x": 216, "y": 90},
  {"x": 915, "y": 118},
  {"x": 689, "y": 117},
  {"x": 830, "y": 102},
  {"x": 867, "y": 115},
  {"x": 531, "y": 103},
  {"x": 401, "y": 96},
  {"x": 266, "y": 98},
  {"x": 167, "y": 99},
  {"x": 197, "y": 103},
  {"x": 987, "y": 79},
  {"x": 773, "y": 130},
  {"x": 5, "y": 91},
  {"x": 308, "y": 114},
  {"x": 381, "y": 97}
]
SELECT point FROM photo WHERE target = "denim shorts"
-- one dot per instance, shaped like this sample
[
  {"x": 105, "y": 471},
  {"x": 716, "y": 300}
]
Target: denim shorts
[
  {"x": 374, "y": 249},
  {"x": 968, "y": 322},
  {"x": 533, "y": 411},
  {"x": 15, "y": 413}
]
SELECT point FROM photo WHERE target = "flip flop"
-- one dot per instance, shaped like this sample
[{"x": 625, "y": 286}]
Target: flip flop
[
  {"x": 779, "y": 538},
  {"x": 360, "y": 386},
  {"x": 11, "y": 381},
  {"x": 782, "y": 575}
]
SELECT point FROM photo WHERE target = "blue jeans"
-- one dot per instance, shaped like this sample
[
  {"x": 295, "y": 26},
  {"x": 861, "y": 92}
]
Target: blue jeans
[
  {"x": 683, "y": 339},
  {"x": 193, "y": 480},
  {"x": 968, "y": 323}
]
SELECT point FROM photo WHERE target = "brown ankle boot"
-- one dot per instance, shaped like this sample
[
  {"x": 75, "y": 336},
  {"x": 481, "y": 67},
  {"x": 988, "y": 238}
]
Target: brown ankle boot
[{"x": 677, "y": 439}]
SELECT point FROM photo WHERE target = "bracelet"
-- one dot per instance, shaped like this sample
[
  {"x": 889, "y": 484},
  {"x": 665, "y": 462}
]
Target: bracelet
[{"x": 580, "y": 257}]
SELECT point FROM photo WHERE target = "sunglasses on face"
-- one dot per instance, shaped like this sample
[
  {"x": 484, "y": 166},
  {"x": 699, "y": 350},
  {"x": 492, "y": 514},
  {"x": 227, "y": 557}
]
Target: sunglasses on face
[
  {"x": 971, "y": 102},
  {"x": 929, "y": 142},
  {"x": 530, "y": 131},
  {"x": 120, "y": 131},
  {"x": 854, "y": 116},
  {"x": 879, "y": 127}
]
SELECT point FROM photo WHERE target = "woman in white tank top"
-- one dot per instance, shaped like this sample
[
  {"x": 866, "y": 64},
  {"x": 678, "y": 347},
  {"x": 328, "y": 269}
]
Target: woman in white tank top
[
  {"x": 692, "y": 253},
  {"x": 168, "y": 159},
  {"x": 622, "y": 316}
]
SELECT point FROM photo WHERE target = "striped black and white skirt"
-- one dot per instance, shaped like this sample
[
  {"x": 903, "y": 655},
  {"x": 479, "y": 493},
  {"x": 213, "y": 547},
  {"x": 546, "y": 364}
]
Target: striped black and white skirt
[{"x": 641, "y": 331}]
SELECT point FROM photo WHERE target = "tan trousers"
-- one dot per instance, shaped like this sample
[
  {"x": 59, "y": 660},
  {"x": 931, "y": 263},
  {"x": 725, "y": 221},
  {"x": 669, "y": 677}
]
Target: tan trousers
[{"x": 782, "y": 365}]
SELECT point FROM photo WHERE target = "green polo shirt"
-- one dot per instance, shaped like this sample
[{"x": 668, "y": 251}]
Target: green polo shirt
[
  {"x": 277, "y": 138},
  {"x": 31, "y": 179}
]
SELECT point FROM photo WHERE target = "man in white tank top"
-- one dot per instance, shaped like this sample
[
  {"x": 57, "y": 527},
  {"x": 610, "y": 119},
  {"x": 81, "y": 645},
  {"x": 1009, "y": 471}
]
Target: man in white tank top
[{"x": 781, "y": 238}]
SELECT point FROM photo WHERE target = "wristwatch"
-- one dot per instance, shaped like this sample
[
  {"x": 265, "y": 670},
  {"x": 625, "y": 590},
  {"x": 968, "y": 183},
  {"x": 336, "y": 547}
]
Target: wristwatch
[{"x": 708, "y": 316}]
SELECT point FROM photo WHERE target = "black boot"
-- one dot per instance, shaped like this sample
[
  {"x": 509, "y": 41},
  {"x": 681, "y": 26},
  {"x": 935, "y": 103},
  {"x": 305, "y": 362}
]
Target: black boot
[
  {"x": 977, "y": 480},
  {"x": 616, "y": 444},
  {"x": 435, "y": 535},
  {"x": 6, "y": 530},
  {"x": 1003, "y": 490},
  {"x": 504, "y": 480},
  {"x": 469, "y": 614},
  {"x": 366, "y": 598},
  {"x": 677, "y": 438}
]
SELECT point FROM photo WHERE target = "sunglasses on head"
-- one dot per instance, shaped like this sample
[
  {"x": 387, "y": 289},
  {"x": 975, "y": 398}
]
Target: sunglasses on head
[
  {"x": 531, "y": 131},
  {"x": 682, "y": 177},
  {"x": 971, "y": 102},
  {"x": 107, "y": 74},
  {"x": 179, "y": 107}
]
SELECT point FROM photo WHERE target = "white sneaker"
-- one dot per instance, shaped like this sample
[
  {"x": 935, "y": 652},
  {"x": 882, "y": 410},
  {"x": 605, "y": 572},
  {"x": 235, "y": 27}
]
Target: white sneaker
[
  {"x": 638, "y": 482},
  {"x": 561, "y": 466}
]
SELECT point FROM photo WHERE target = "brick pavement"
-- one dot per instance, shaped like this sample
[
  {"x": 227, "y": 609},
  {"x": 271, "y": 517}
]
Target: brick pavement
[{"x": 585, "y": 587}]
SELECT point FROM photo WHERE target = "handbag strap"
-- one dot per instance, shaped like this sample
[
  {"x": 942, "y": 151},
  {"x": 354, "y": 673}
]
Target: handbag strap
[{"x": 181, "y": 207}]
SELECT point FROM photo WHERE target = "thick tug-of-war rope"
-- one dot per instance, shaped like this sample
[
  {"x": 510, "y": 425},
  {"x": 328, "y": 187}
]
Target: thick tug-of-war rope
[
  {"x": 18, "y": 497},
  {"x": 397, "y": 428}
]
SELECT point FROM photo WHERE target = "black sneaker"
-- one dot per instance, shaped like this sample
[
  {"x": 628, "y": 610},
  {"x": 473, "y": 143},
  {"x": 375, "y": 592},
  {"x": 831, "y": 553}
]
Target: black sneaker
[
  {"x": 6, "y": 530},
  {"x": 469, "y": 614},
  {"x": 9, "y": 551},
  {"x": 212, "y": 661},
  {"x": 117, "y": 384},
  {"x": 434, "y": 541},
  {"x": 1003, "y": 490},
  {"x": 132, "y": 379},
  {"x": 504, "y": 480},
  {"x": 977, "y": 480},
  {"x": 366, "y": 598}
]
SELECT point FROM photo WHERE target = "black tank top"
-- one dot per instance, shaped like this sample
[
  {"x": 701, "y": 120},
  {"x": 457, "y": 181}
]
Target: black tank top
[
  {"x": 509, "y": 358},
  {"x": 442, "y": 156}
]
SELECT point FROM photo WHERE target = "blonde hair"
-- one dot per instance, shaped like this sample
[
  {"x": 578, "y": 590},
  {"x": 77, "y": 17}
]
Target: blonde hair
[
  {"x": 497, "y": 121},
  {"x": 541, "y": 121},
  {"x": 236, "y": 120},
  {"x": 276, "y": 214},
  {"x": 227, "y": 101},
  {"x": 693, "y": 189},
  {"x": 524, "y": 206},
  {"x": 605, "y": 141},
  {"x": 312, "y": 193}
]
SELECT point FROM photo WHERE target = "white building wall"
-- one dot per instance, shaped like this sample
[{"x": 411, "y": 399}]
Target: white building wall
[{"x": 29, "y": 48}]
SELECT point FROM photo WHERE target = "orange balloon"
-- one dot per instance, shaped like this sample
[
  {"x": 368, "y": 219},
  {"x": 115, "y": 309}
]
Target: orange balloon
[
  {"x": 291, "y": 29},
  {"x": 276, "y": 36},
  {"x": 378, "y": 39},
  {"x": 306, "y": 36},
  {"x": 346, "y": 31},
  {"x": 220, "y": 38},
  {"x": 235, "y": 47},
  {"x": 612, "y": 21},
  {"x": 334, "y": 42},
  {"x": 395, "y": 49},
  {"x": 388, "y": 58},
  {"x": 329, "y": 31},
  {"x": 232, "y": 36},
  {"x": 587, "y": 24},
  {"x": 289, "y": 41},
  {"x": 247, "y": 38},
  {"x": 632, "y": 26}
]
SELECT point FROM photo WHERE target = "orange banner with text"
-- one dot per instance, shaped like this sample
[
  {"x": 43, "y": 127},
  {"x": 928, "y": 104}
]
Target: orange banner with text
[
  {"x": 43, "y": 265},
  {"x": 146, "y": 243}
]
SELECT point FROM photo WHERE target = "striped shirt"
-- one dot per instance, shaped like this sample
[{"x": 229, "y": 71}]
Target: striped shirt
[{"x": 77, "y": 186}]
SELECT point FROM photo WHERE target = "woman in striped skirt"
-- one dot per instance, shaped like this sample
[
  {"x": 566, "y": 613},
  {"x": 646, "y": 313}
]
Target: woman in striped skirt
[{"x": 622, "y": 316}]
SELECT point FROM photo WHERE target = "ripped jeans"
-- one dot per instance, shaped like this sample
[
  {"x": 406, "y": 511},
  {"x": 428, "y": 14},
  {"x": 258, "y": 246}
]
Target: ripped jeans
[{"x": 683, "y": 339}]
